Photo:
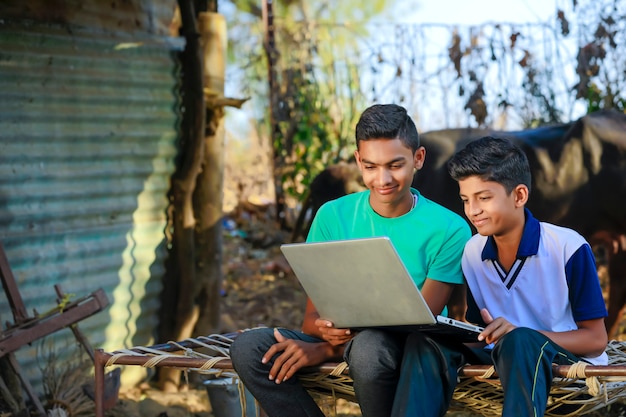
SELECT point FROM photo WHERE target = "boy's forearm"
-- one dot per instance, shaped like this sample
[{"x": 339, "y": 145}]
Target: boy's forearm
[
  {"x": 308, "y": 322},
  {"x": 325, "y": 352},
  {"x": 588, "y": 340},
  {"x": 309, "y": 327},
  {"x": 436, "y": 294},
  {"x": 335, "y": 353}
]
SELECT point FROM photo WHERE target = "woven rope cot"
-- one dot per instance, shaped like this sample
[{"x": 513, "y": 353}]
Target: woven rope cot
[{"x": 576, "y": 389}]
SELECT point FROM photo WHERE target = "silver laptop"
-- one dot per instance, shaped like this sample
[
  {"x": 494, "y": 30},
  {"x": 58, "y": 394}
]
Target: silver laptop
[{"x": 362, "y": 283}]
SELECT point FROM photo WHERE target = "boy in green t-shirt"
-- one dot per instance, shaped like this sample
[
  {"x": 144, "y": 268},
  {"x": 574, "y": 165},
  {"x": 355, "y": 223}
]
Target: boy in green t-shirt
[{"x": 428, "y": 237}]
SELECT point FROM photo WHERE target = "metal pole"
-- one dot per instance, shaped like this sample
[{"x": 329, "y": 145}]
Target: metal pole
[{"x": 98, "y": 363}]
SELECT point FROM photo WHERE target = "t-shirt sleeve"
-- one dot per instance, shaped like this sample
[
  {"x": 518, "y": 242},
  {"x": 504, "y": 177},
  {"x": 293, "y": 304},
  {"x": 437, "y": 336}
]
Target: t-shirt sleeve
[
  {"x": 447, "y": 264},
  {"x": 319, "y": 231},
  {"x": 585, "y": 293}
]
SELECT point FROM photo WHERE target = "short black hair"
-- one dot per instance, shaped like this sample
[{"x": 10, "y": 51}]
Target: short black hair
[
  {"x": 387, "y": 121},
  {"x": 492, "y": 159}
]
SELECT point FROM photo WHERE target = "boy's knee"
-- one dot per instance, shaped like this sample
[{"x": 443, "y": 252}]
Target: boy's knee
[
  {"x": 365, "y": 345},
  {"x": 371, "y": 353},
  {"x": 250, "y": 346},
  {"x": 521, "y": 338}
]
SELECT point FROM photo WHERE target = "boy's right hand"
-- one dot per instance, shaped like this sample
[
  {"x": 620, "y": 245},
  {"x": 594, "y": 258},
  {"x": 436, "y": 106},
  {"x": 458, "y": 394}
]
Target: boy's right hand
[
  {"x": 332, "y": 335},
  {"x": 293, "y": 355},
  {"x": 495, "y": 329}
]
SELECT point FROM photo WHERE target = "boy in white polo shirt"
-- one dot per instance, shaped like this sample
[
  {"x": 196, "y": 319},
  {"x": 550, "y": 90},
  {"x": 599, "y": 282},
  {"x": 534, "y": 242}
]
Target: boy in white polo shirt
[{"x": 533, "y": 285}]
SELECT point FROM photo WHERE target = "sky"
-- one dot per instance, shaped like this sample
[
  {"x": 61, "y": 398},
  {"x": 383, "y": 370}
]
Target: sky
[
  {"x": 474, "y": 12},
  {"x": 441, "y": 14}
]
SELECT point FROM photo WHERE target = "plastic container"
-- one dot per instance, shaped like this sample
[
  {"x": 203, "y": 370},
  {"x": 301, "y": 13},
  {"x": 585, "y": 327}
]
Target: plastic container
[{"x": 226, "y": 401}]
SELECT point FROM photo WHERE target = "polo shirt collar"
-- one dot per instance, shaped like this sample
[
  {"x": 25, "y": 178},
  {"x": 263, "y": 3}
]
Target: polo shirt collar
[{"x": 528, "y": 246}]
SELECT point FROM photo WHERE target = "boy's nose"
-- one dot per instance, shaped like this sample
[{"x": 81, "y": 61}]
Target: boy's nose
[
  {"x": 384, "y": 177},
  {"x": 473, "y": 208}
]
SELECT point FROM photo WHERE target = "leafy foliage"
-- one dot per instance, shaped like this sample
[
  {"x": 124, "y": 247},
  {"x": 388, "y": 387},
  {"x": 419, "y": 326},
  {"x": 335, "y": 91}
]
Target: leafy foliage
[
  {"x": 316, "y": 97},
  {"x": 601, "y": 60}
]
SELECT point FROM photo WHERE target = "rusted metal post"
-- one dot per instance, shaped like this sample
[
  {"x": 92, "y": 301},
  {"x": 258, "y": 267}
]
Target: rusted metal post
[
  {"x": 10, "y": 289},
  {"x": 98, "y": 363}
]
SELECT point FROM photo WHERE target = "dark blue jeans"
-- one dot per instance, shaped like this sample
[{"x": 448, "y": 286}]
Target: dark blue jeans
[
  {"x": 523, "y": 359},
  {"x": 374, "y": 357},
  {"x": 428, "y": 376},
  {"x": 286, "y": 399}
]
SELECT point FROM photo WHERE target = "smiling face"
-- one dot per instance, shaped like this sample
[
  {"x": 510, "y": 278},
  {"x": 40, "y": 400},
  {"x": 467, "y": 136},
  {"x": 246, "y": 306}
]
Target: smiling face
[
  {"x": 387, "y": 167},
  {"x": 490, "y": 208}
]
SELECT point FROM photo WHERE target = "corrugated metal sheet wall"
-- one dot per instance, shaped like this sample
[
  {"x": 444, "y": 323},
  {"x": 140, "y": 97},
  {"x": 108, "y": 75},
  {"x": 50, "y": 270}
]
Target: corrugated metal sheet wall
[{"x": 88, "y": 130}]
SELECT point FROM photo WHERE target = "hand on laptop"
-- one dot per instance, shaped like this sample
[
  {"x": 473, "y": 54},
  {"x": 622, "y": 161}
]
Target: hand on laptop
[
  {"x": 333, "y": 335},
  {"x": 495, "y": 329}
]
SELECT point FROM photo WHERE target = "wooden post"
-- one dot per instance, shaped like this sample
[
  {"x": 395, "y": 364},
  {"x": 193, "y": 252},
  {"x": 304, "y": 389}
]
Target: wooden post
[
  {"x": 208, "y": 197},
  {"x": 180, "y": 283}
]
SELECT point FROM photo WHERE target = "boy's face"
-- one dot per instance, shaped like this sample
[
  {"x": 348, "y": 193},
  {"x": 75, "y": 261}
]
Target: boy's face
[
  {"x": 490, "y": 209},
  {"x": 387, "y": 167}
]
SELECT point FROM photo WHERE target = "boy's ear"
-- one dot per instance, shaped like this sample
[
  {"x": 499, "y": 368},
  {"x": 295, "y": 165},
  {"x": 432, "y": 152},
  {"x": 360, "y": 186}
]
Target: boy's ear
[
  {"x": 521, "y": 195},
  {"x": 418, "y": 158},
  {"x": 357, "y": 158}
]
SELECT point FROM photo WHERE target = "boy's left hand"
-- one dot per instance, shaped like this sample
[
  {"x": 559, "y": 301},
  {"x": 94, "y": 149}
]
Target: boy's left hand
[
  {"x": 495, "y": 329},
  {"x": 331, "y": 334}
]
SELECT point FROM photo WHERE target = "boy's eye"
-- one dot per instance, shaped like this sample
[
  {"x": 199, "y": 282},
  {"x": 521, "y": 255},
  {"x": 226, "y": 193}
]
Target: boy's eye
[
  {"x": 369, "y": 167},
  {"x": 396, "y": 166},
  {"x": 484, "y": 198}
]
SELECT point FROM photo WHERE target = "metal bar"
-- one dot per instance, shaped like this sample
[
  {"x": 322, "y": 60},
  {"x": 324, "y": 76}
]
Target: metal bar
[
  {"x": 166, "y": 362},
  {"x": 18, "y": 337},
  {"x": 99, "y": 360},
  {"x": 327, "y": 367},
  {"x": 557, "y": 370},
  {"x": 80, "y": 337},
  {"x": 10, "y": 288},
  {"x": 466, "y": 371}
]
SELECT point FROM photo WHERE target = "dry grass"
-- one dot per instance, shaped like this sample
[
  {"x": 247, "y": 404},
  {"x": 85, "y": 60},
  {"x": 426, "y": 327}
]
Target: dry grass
[{"x": 63, "y": 383}]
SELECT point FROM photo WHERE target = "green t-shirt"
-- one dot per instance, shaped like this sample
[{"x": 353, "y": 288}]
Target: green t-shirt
[{"x": 429, "y": 238}]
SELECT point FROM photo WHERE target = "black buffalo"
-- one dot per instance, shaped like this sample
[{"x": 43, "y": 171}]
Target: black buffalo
[{"x": 578, "y": 170}]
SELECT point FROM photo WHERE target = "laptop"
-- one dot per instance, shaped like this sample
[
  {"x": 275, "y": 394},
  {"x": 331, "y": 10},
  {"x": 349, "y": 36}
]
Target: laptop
[{"x": 362, "y": 283}]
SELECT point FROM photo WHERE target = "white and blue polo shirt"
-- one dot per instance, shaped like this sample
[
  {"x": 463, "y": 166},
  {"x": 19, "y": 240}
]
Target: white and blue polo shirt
[{"x": 552, "y": 284}]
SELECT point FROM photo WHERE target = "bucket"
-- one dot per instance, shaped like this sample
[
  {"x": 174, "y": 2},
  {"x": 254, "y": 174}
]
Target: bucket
[{"x": 226, "y": 401}]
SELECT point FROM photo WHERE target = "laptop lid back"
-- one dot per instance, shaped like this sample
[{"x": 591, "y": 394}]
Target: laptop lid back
[{"x": 358, "y": 283}]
